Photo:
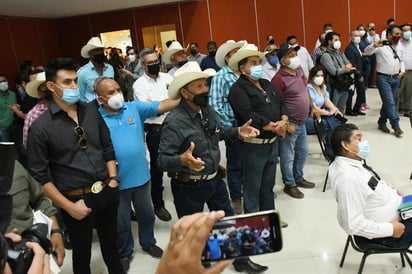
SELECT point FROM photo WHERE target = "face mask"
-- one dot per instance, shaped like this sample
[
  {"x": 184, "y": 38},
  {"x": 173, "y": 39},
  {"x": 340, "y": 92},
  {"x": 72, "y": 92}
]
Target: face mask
[
  {"x": 193, "y": 51},
  {"x": 256, "y": 72},
  {"x": 70, "y": 96},
  {"x": 99, "y": 58},
  {"x": 362, "y": 33},
  {"x": 116, "y": 101},
  {"x": 336, "y": 45},
  {"x": 181, "y": 63},
  {"x": 247, "y": 231},
  {"x": 395, "y": 39},
  {"x": 202, "y": 99},
  {"x": 132, "y": 58},
  {"x": 274, "y": 60},
  {"x": 4, "y": 86},
  {"x": 212, "y": 53},
  {"x": 318, "y": 80},
  {"x": 407, "y": 35},
  {"x": 294, "y": 63},
  {"x": 272, "y": 41},
  {"x": 211, "y": 238},
  {"x": 153, "y": 69},
  {"x": 356, "y": 40},
  {"x": 21, "y": 92},
  {"x": 364, "y": 149},
  {"x": 294, "y": 45}
]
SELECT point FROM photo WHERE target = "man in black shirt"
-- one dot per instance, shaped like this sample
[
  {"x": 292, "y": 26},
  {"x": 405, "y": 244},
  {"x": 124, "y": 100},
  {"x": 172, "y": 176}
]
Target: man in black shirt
[
  {"x": 71, "y": 155},
  {"x": 189, "y": 149}
]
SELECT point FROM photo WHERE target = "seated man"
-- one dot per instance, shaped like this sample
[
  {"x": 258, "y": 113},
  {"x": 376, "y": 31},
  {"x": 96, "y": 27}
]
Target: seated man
[{"x": 367, "y": 205}]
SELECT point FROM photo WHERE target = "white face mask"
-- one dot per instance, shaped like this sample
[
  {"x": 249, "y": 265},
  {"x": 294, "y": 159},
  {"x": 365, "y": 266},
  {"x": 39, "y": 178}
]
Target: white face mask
[
  {"x": 318, "y": 80},
  {"x": 294, "y": 63},
  {"x": 116, "y": 101},
  {"x": 362, "y": 33},
  {"x": 132, "y": 58},
  {"x": 4, "y": 86},
  {"x": 336, "y": 45},
  {"x": 356, "y": 40}
]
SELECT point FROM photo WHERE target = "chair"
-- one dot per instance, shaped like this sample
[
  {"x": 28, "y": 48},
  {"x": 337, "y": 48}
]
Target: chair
[
  {"x": 368, "y": 247},
  {"x": 321, "y": 134}
]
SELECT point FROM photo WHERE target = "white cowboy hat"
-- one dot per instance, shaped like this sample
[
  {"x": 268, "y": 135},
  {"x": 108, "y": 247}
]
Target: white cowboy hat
[
  {"x": 32, "y": 86},
  {"x": 224, "y": 49},
  {"x": 93, "y": 43},
  {"x": 173, "y": 48},
  {"x": 246, "y": 51},
  {"x": 186, "y": 74}
]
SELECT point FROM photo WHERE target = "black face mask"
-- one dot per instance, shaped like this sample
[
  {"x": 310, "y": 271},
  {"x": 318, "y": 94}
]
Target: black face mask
[
  {"x": 212, "y": 53},
  {"x": 272, "y": 41},
  {"x": 181, "y": 63},
  {"x": 99, "y": 58},
  {"x": 201, "y": 99},
  {"x": 153, "y": 69},
  {"x": 193, "y": 51}
]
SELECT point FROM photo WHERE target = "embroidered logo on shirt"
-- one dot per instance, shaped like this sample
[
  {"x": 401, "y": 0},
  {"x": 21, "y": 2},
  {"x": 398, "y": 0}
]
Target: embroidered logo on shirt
[{"x": 130, "y": 120}]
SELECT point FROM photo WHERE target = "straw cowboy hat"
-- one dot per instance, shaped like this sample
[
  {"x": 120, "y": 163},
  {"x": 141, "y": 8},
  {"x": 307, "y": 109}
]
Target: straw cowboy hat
[
  {"x": 173, "y": 48},
  {"x": 224, "y": 49},
  {"x": 246, "y": 51},
  {"x": 32, "y": 86},
  {"x": 186, "y": 74},
  {"x": 93, "y": 43}
]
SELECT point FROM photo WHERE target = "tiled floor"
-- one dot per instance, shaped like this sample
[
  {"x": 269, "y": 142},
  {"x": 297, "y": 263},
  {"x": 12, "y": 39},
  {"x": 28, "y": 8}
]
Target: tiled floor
[{"x": 313, "y": 242}]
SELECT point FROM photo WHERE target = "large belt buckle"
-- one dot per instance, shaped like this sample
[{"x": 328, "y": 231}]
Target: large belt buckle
[{"x": 97, "y": 187}]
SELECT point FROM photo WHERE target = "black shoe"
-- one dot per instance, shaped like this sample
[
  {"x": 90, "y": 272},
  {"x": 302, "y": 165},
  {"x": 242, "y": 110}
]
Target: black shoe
[
  {"x": 358, "y": 112},
  {"x": 305, "y": 184},
  {"x": 351, "y": 113},
  {"x": 67, "y": 241},
  {"x": 163, "y": 214},
  {"x": 248, "y": 266},
  {"x": 125, "y": 262},
  {"x": 154, "y": 251},
  {"x": 293, "y": 191}
]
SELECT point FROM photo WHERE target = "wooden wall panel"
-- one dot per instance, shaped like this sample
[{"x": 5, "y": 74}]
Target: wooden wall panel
[{"x": 8, "y": 62}]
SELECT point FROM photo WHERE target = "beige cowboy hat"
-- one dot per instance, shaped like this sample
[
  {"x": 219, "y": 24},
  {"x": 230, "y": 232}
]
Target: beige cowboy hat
[
  {"x": 33, "y": 86},
  {"x": 186, "y": 74},
  {"x": 93, "y": 43},
  {"x": 246, "y": 51},
  {"x": 173, "y": 48},
  {"x": 224, "y": 49}
]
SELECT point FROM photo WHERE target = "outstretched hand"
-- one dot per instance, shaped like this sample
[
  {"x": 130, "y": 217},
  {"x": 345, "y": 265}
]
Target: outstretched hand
[
  {"x": 188, "y": 160},
  {"x": 247, "y": 131}
]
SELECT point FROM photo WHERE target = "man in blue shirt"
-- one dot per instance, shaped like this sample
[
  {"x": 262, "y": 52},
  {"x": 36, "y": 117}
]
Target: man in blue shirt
[
  {"x": 96, "y": 67},
  {"x": 125, "y": 122},
  {"x": 209, "y": 61}
]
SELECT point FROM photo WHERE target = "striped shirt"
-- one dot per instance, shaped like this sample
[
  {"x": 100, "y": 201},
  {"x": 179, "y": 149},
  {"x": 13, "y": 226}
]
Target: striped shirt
[{"x": 32, "y": 116}]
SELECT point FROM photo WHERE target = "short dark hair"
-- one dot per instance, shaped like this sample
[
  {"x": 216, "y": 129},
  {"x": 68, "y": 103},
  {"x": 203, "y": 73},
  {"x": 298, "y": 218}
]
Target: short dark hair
[
  {"x": 22, "y": 77},
  {"x": 211, "y": 43},
  {"x": 242, "y": 63},
  {"x": 133, "y": 48},
  {"x": 391, "y": 28},
  {"x": 329, "y": 36},
  {"x": 390, "y": 20},
  {"x": 405, "y": 25},
  {"x": 195, "y": 44},
  {"x": 61, "y": 63},
  {"x": 290, "y": 37},
  {"x": 168, "y": 43},
  {"x": 339, "y": 134},
  {"x": 26, "y": 64},
  {"x": 327, "y": 25}
]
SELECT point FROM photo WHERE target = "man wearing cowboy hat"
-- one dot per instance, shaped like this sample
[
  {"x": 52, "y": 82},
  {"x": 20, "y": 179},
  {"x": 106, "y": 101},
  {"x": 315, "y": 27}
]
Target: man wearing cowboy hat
[
  {"x": 253, "y": 97},
  {"x": 176, "y": 56},
  {"x": 93, "y": 50},
  {"x": 189, "y": 149},
  {"x": 219, "y": 91}
]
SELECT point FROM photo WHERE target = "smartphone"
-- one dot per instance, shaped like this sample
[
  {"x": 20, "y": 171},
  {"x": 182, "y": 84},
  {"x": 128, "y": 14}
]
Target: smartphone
[
  {"x": 244, "y": 235},
  {"x": 387, "y": 43}
]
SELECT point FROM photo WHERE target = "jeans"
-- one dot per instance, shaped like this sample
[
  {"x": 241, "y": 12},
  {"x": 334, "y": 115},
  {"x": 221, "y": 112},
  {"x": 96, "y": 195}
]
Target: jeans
[
  {"x": 293, "y": 152},
  {"x": 404, "y": 98},
  {"x": 339, "y": 98},
  {"x": 142, "y": 203},
  {"x": 104, "y": 218},
  {"x": 191, "y": 199},
  {"x": 156, "y": 175},
  {"x": 234, "y": 169},
  {"x": 5, "y": 135},
  {"x": 388, "y": 87},
  {"x": 404, "y": 241},
  {"x": 259, "y": 174}
]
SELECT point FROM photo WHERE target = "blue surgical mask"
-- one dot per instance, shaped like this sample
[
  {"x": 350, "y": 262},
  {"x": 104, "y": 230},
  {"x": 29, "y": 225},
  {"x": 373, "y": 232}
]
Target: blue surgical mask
[
  {"x": 364, "y": 149},
  {"x": 70, "y": 96},
  {"x": 256, "y": 72},
  {"x": 407, "y": 35},
  {"x": 274, "y": 60}
]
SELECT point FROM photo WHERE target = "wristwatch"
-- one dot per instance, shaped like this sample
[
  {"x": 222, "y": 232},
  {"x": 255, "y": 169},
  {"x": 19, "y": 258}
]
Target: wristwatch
[
  {"x": 58, "y": 230},
  {"x": 115, "y": 178}
]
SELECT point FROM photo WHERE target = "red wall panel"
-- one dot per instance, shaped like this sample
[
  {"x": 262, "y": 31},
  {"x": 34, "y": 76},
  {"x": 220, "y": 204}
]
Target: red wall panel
[
  {"x": 8, "y": 62},
  {"x": 403, "y": 11}
]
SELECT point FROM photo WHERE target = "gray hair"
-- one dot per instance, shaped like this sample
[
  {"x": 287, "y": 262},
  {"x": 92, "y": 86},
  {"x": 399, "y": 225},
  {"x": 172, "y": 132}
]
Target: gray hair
[
  {"x": 145, "y": 52},
  {"x": 97, "y": 82}
]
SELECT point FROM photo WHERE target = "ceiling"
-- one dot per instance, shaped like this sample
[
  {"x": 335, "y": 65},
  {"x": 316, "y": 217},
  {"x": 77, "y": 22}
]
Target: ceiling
[{"x": 67, "y": 8}]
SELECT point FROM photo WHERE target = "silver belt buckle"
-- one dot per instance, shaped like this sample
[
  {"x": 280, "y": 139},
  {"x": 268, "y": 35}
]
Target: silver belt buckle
[{"x": 97, "y": 187}]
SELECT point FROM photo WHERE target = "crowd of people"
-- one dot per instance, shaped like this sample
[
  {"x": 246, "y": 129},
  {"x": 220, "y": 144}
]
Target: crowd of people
[{"x": 81, "y": 132}]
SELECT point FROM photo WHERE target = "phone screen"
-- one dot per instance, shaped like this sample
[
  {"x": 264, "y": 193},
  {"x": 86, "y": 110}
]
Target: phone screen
[{"x": 244, "y": 235}]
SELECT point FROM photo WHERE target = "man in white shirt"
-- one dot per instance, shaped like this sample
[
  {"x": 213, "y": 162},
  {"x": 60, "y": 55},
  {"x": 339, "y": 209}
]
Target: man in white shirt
[
  {"x": 152, "y": 86},
  {"x": 389, "y": 71},
  {"x": 306, "y": 61},
  {"x": 271, "y": 66},
  {"x": 404, "y": 98},
  {"x": 367, "y": 205}
]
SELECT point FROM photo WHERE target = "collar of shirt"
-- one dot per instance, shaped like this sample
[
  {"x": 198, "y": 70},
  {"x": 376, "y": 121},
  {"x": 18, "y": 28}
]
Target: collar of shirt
[
  {"x": 350, "y": 161},
  {"x": 193, "y": 114},
  {"x": 91, "y": 65},
  {"x": 106, "y": 114}
]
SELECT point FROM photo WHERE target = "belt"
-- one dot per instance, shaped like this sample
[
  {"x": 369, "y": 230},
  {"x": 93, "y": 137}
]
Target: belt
[
  {"x": 260, "y": 141},
  {"x": 296, "y": 122},
  {"x": 96, "y": 188},
  {"x": 385, "y": 75},
  {"x": 186, "y": 178},
  {"x": 152, "y": 127}
]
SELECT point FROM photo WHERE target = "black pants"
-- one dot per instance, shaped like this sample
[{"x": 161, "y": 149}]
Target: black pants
[
  {"x": 104, "y": 218},
  {"x": 156, "y": 175}
]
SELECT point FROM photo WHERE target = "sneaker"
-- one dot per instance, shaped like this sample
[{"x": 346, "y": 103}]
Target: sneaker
[
  {"x": 293, "y": 191},
  {"x": 358, "y": 112},
  {"x": 237, "y": 206},
  {"x": 163, "y": 214},
  {"x": 154, "y": 251},
  {"x": 398, "y": 132},
  {"x": 384, "y": 128},
  {"x": 305, "y": 184},
  {"x": 363, "y": 108}
]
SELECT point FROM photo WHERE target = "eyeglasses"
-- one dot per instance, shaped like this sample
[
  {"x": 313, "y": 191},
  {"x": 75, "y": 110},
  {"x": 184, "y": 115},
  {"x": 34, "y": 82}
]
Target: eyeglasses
[
  {"x": 267, "y": 99},
  {"x": 154, "y": 62},
  {"x": 79, "y": 131}
]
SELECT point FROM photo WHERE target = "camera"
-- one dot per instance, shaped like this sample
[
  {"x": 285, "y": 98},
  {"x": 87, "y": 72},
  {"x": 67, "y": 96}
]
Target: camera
[
  {"x": 19, "y": 256},
  {"x": 387, "y": 43}
]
